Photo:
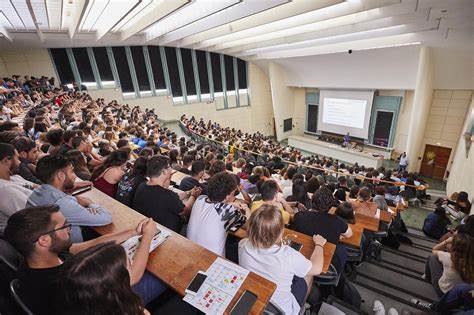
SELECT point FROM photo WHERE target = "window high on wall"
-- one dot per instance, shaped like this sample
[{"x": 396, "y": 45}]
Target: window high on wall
[
  {"x": 157, "y": 69},
  {"x": 141, "y": 71},
  {"x": 123, "y": 70},
  {"x": 63, "y": 68},
  {"x": 103, "y": 66},
  {"x": 185, "y": 74},
  {"x": 84, "y": 66},
  {"x": 188, "y": 70},
  {"x": 173, "y": 71}
]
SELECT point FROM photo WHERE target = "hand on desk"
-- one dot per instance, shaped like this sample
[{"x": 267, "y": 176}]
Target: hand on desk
[
  {"x": 146, "y": 227},
  {"x": 319, "y": 240}
]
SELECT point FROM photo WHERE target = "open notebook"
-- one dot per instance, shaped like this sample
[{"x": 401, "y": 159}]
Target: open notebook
[{"x": 132, "y": 243}]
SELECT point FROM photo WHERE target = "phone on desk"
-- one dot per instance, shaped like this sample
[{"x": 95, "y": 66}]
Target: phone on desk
[
  {"x": 295, "y": 245},
  {"x": 196, "y": 283},
  {"x": 244, "y": 304}
]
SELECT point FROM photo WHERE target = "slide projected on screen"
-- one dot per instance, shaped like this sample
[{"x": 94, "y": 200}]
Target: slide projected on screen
[{"x": 344, "y": 112}]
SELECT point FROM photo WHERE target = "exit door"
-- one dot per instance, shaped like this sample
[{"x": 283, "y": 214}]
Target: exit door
[{"x": 435, "y": 161}]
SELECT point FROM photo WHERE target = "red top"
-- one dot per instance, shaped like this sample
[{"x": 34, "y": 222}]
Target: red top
[{"x": 105, "y": 187}]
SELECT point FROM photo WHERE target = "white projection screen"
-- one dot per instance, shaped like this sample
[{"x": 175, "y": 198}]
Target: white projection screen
[{"x": 345, "y": 111}]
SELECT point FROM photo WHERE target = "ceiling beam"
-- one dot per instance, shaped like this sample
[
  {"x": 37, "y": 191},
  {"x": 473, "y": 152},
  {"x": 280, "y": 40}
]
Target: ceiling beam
[
  {"x": 364, "y": 44},
  {"x": 350, "y": 26},
  {"x": 295, "y": 7},
  {"x": 341, "y": 14},
  {"x": 233, "y": 13},
  {"x": 161, "y": 10},
  {"x": 33, "y": 16},
  {"x": 6, "y": 33}
]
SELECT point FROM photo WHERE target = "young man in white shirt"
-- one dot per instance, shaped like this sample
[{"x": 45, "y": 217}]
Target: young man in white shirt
[
  {"x": 14, "y": 189},
  {"x": 212, "y": 216}
]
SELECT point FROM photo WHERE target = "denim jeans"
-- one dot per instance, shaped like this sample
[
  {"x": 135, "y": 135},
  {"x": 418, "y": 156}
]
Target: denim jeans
[
  {"x": 457, "y": 297},
  {"x": 149, "y": 287}
]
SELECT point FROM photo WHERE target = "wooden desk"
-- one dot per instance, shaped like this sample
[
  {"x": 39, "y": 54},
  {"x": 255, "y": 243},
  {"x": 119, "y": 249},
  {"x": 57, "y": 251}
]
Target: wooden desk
[
  {"x": 385, "y": 216},
  {"x": 363, "y": 221},
  {"x": 177, "y": 260},
  {"x": 356, "y": 237},
  {"x": 369, "y": 223},
  {"x": 177, "y": 177},
  {"x": 308, "y": 245}
]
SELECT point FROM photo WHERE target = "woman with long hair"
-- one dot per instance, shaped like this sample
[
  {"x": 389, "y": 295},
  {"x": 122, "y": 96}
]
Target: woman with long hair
[
  {"x": 79, "y": 163},
  {"x": 97, "y": 281},
  {"x": 299, "y": 193},
  {"x": 265, "y": 253},
  {"x": 107, "y": 175},
  {"x": 129, "y": 182}
]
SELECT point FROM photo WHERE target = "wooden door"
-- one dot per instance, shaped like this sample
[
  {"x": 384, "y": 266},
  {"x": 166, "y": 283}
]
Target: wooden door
[{"x": 435, "y": 161}]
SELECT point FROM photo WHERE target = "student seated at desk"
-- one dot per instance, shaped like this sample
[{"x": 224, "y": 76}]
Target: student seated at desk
[
  {"x": 264, "y": 253},
  {"x": 43, "y": 236},
  {"x": 197, "y": 173},
  {"x": 57, "y": 174},
  {"x": 379, "y": 198},
  {"x": 435, "y": 224},
  {"x": 269, "y": 192},
  {"x": 318, "y": 220},
  {"x": 363, "y": 205},
  {"x": 154, "y": 198},
  {"x": 128, "y": 184},
  {"x": 107, "y": 175},
  {"x": 96, "y": 281},
  {"x": 213, "y": 215}
]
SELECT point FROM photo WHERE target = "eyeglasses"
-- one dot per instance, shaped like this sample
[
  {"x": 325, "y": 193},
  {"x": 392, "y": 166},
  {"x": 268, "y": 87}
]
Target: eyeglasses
[{"x": 65, "y": 226}]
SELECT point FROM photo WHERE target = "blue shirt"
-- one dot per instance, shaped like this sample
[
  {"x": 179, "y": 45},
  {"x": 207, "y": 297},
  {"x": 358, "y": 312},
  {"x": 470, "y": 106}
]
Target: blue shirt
[{"x": 74, "y": 213}]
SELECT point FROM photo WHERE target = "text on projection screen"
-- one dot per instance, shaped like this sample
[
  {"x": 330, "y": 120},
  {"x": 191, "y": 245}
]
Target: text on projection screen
[{"x": 344, "y": 112}]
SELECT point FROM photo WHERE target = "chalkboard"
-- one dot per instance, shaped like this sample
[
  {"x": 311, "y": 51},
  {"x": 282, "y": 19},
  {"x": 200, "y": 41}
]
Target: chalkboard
[{"x": 383, "y": 124}]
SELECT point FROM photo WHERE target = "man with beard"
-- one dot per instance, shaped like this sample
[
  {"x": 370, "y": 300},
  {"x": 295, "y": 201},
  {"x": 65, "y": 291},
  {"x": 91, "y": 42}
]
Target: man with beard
[
  {"x": 14, "y": 189},
  {"x": 28, "y": 152},
  {"x": 57, "y": 174},
  {"x": 42, "y": 236}
]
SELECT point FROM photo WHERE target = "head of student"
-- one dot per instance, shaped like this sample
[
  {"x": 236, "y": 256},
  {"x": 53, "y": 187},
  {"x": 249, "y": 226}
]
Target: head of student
[
  {"x": 462, "y": 256},
  {"x": 159, "y": 166},
  {"x": 323, "y": 200},
  {"x": 198, "y": 168},
  {"x": 56, "y": 170},
  {"x": 9, "y": 158},
  {"x": 221, "y": 187},
  {"x": 266, "y": 227},
  {"x": 269, "y": 190},
  {"x": 96, "y": 281},
  {"x": 26, "y": 148},
  {"x": 38, "y": 231},
  {"x": 364, "y": 194}
]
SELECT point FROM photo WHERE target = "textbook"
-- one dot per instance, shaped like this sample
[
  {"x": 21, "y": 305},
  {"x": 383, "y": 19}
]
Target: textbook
[{"x": 132, "y": 243}]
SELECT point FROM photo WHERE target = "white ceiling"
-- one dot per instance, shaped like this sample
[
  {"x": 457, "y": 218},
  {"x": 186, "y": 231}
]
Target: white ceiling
[{"x": 251, "y": 29}]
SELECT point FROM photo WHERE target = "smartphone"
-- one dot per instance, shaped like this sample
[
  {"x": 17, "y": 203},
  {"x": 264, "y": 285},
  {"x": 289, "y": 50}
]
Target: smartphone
[
  {"x": 295, "y": 245},
  {"x": 196, "y": 283},
  {"x": 244, "y": 304}
]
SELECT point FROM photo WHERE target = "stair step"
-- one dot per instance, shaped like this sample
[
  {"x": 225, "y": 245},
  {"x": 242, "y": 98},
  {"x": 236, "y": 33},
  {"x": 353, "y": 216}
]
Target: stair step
[
  {"x": 396, "y": 281},
  {"x": 369, "y": 295}
]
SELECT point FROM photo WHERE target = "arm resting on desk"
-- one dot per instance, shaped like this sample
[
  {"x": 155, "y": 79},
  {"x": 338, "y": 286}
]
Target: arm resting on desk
[{"x": 118, "y": 238}]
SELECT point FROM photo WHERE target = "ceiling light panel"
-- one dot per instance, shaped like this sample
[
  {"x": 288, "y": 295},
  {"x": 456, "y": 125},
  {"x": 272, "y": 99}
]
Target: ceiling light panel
[
  {"x": 21, "y": 9},
  {"x": 94, "y": 10},
  {"x": 53, "y": 9},
  {"x": 8, "y": 18},
  {"x": 225, "y": 16},
  {"x": 337, "y": 15},
  {"x": 196, "y": 10},
  {"x": 41, "y": 13}
]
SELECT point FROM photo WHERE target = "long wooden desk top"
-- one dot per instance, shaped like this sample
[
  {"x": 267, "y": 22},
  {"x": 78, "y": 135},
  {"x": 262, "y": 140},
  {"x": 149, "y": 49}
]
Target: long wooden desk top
[
  {"x": 306, "y": 241},
  {"x": 178, "y": 259},
  {"x": 367, "y": 222}
]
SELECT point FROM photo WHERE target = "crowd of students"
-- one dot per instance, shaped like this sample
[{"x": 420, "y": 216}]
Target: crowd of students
[{"x": 59, "y": 141}]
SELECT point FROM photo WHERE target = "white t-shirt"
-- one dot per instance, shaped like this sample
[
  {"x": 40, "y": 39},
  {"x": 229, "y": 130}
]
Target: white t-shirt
[
  {"x": 450, "y": 276},
  {"x": 278, "y": 264},
  {"x": 13, "y": 196},
  {"x": 209, "y": 223}
]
